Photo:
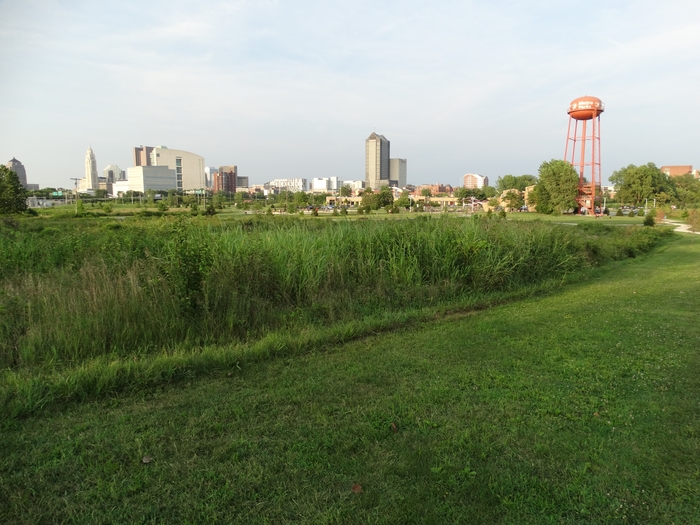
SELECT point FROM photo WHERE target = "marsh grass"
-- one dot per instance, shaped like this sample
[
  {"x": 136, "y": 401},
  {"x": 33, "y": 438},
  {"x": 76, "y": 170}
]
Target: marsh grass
[{"x": 100, "y": 292}]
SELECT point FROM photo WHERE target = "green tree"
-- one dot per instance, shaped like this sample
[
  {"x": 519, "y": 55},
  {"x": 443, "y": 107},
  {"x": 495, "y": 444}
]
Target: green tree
[
  {"x": 687, "y": 190},
  {"x": 511, "y": 182},
  {"x": 425, "y": 192},
  {"x": 301, "y": 199},
  {"x": 13, "y": 196},
  {"x": 404, "y": 201},
  {"x": 557, "y": 188},
  {"x": 514, "y": 199},
  {"x": 385, "y": 197},
  {"x": 636, "y": 183},
  {"x": 489, "y": 192},
  {"x": 345, "y": 190},
  {"x": 507, "y": 182},
  {"x": 369, "y": 200}
]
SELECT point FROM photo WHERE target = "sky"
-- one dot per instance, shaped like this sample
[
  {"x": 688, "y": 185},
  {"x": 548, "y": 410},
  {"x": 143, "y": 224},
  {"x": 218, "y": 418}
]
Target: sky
[{"x": 293, "y": 88}]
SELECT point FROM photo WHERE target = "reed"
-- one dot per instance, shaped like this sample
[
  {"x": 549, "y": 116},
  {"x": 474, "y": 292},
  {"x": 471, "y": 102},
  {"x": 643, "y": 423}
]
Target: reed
[{"x": 83, "y": 291}]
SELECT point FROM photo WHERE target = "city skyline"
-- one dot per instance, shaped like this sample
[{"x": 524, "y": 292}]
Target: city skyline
[{"x": 458, "y": 87}]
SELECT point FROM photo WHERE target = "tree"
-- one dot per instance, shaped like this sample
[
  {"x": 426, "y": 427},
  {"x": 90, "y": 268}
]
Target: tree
[
  {"x": 404, "y": 201},
  {"x": 370, "y": 200},
  {"x": 514, "y": 199},
  {"x": 385, "y": 197},
  {"x": 346, "y": 190},
  {"x": 489, "y": 192},
  {"x": 557, "y": 188},
  {"x": 425, "y": 192},
  {"x": 511, "y": 182},
  {"x": 636, "y": 183},
  {"x": 13, "y": 196},
  {"x": 687, "y": 190},
  {"x": 301, "y": 199},
  {"x": 507, "y": 182}
]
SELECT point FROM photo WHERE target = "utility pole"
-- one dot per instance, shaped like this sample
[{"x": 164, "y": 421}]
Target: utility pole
[{"x": 76, "y": 193}]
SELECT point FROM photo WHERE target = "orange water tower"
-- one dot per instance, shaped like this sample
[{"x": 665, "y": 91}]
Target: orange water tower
[{"x": 583, "y": 150}]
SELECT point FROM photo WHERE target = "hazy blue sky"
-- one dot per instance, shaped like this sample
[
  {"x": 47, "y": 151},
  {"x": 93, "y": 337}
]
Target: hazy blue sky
[{"x": 293, "y": 88}]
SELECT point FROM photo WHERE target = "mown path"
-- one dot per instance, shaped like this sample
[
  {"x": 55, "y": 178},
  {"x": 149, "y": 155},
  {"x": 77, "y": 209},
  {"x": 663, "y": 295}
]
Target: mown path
[{"x": 578, "y": 407}]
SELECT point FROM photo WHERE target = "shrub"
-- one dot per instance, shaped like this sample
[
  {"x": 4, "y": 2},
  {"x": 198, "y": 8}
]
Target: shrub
[
  {"x": 649, "y": 220},
  {"x": 631, "y": 213},
  {"x": 619, "y": 213}
]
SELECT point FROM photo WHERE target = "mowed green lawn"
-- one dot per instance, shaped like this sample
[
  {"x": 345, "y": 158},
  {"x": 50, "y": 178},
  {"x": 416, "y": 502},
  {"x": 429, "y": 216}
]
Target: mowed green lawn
[{"x": 582, "y": 406}]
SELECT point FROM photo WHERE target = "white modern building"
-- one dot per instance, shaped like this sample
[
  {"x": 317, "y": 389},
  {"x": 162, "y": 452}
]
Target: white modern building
[
  {"x": 188, "y": 167},
  {"x": 397, "y": 173},
  {"x": 324, "y": 184},
  {"x": 376, "y": 161},
  {"x": 473, "y": 181},
  {"x": 113, "y": 173},
  {"x": 354, "y": 184},
  {"x": 289, "y": 184},
  {"x": 142, "y": 178}
]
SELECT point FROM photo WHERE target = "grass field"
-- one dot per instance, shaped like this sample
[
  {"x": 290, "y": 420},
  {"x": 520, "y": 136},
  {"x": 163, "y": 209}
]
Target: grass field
[{"x": 580, "y": 406}]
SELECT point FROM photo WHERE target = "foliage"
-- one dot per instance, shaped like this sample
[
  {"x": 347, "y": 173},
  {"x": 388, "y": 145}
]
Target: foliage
[
  {"x": 619, "y": 213},
  {"x": 404, "y": 201},
  {"x": 426, "y": 192},
  {"x": 508, "y": 182},
  {"x": 557, "y": 188},
  {"x": 385, "y": 197},
  {"x": 693, "y": 220},
  {"x": 588, "y": 414},
  {"x": 513, "y": 199},
  {"x": 113, "y": 289},
  {"x": 649, "y": 219},
  {"x": 636, "y": 183},
  {"x": 346, "y": 190},
  {"x": 13, "y": 196}
]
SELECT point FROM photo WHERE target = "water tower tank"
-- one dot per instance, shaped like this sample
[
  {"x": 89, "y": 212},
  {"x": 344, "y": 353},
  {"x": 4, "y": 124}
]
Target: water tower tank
[{"x": 586, "y": 108}]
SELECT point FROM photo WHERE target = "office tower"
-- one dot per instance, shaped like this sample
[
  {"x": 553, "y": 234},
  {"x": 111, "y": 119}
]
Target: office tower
[
  {"x": 142, "y": 156},
  {"x": 91, "y": 180},
  {"x": 113, "y": 173},
  {"x": 397, "y": 173},
  {"x": 376, "y": 161},
  {"x": 225, "y": 179},
  {"x": 18, "y": 168},
  {"x": 189, "y": 168}
]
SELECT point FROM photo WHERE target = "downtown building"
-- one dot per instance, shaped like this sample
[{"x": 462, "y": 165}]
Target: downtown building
[
  {"x": 289, "y": 184},
  {"x": 473, "y": 181},
  {"x": 188, "y": 167},
  {"x": 225, "y": 179},
  {"x": 380, "y": 168},
  {"x": 18, "y": 168}
]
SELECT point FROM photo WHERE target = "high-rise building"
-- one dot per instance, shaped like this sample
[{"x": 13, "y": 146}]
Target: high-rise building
[
  {"x": 142, "y": 155},
  {"x": 210, "y": 171},
  {"x": 289, "y": 184},
  {"x": 113, "y": 173},
  {"x": 376, "y": 161},
  {"x": 242, "y": 182},
  {"x": 142, "y": 178},
  {"x": 324, "y": 184},
  {"x": 397, "y": 173},
  {"x": 225, "y": 179},
  {"x": 91, "y": 179},
  {"x": 473, "y": 181},
  {"x": 18, "y": 168},
  {"x": 189, "y": 168}
]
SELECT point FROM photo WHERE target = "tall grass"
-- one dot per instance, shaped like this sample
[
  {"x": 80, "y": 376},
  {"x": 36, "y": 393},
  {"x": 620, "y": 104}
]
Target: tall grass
[{"x": 135, "y": 289}]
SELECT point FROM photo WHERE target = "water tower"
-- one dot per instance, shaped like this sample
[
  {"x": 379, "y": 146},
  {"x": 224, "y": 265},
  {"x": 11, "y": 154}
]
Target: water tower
[{"x": 583, "y": 149}]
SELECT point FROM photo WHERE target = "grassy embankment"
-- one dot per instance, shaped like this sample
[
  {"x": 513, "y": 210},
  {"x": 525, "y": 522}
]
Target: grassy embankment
[
  {"x": 574, "y": 407},
  {"x": 92, "y": 307}
]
